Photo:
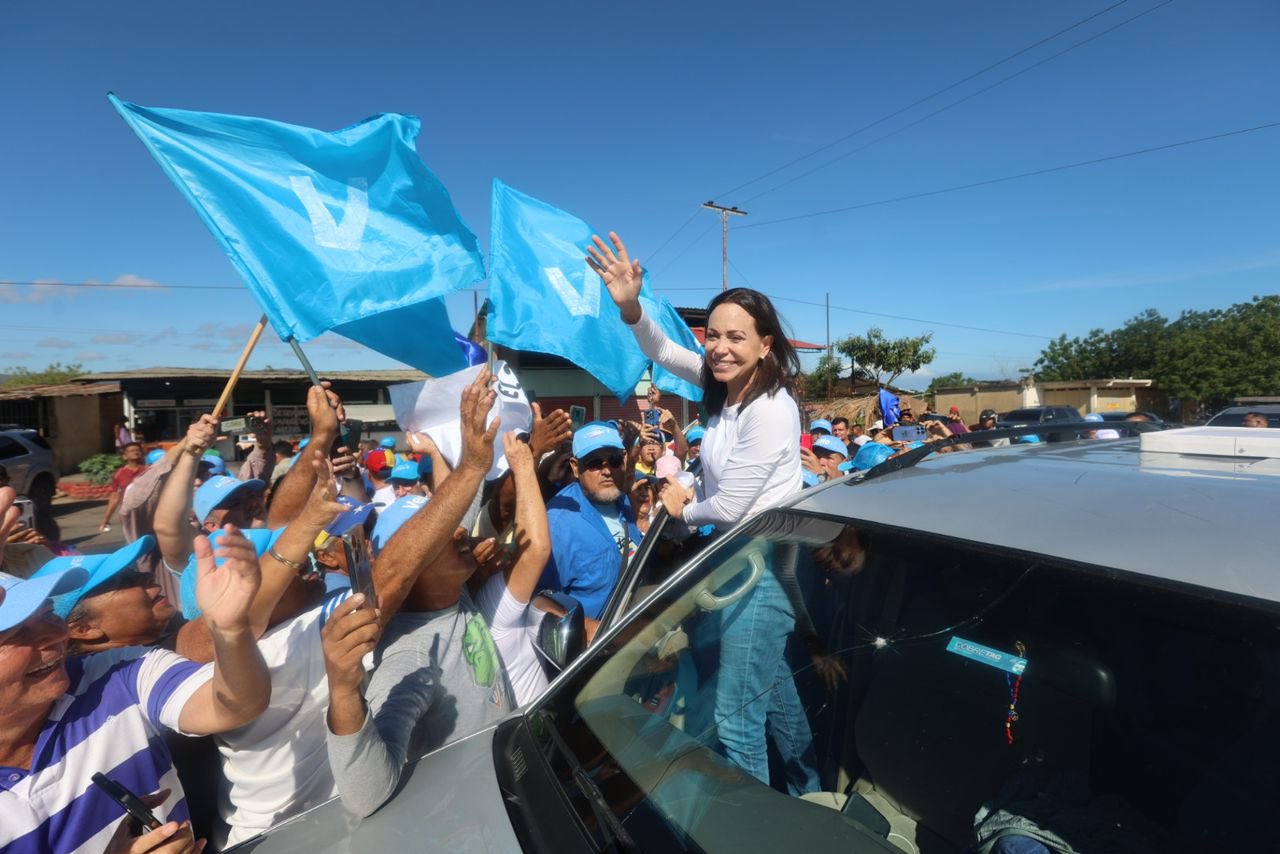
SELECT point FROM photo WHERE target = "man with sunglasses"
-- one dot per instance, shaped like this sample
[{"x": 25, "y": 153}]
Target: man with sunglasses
[{"x": 593, "y": 529}]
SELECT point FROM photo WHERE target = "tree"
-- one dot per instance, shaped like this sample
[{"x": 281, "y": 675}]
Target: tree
[
  {"x": 823, "y": 378},
  {"x": 955, "y": 378},
  {"x": 882, "y": 360},
  {"x": 52, "y": 375}
]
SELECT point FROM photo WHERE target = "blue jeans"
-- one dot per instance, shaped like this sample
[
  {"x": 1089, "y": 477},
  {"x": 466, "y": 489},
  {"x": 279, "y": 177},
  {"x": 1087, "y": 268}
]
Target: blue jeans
[{"x": 755, "y": 690}]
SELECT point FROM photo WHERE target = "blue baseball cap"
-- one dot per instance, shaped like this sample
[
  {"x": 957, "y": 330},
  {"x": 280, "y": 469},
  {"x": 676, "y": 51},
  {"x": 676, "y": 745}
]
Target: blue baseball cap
[
  {"x": 594, "y": 436},
  {"x": 694, "y": 435},
  {"x": 831, "y": 444},
  {"x": 24, "y": 597},
  {"x": 214, "y": 461},
  {"x": 821, "y": 424},
  {"x": 216, "y": 491},
  {"x": 154, "y": 456},
  {"x": 1030, "y": 439},
  {"x": 871, "y": 455},
  {"x": 1093, "y": 416},
  {"x": 393, "y": 516},
  {"x": 354, "y": 515},
  {"x": 101, "y": 568},
  {"x": 808, "y": 478},
  {"x": 262, "y": 539},
  {"x": 388, "y": 442},
  {"x": 405, "y": 471}
]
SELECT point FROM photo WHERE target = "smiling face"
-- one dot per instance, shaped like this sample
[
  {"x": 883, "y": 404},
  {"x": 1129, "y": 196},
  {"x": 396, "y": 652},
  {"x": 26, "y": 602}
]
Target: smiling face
[
  {"x": 734, "y": 347},
  {"x": 32, "y": 674},
  {"x": 128, "y": 610}
]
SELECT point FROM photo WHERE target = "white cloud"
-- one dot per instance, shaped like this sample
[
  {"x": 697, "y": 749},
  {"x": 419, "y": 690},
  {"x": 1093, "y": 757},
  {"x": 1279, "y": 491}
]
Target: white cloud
[
  {"x": 114, "y": 338},
  {"x": 39, "y": 291},
  {"x": 19, "y": 354},
  {"x": 135, "y": 281},
  {"x": 90, "y": 356},
  {"x": 56, "y": 343}
]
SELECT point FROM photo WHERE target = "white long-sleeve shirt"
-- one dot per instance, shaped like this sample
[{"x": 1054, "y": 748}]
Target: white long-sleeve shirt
[{"x": 750, "y": 457}]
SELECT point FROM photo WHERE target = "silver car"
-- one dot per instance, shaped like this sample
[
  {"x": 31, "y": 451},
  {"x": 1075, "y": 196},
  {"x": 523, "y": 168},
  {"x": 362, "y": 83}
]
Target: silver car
[
  {"x": 30, "y": 463},
  {"x": 1075, "y": 643}
]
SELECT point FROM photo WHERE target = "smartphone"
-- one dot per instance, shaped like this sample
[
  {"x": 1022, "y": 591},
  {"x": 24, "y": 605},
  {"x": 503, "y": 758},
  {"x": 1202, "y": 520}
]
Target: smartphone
[
  {"x": 653, "y": 417},
  {"x": 349, "y": 436},
  {"x": 128, "y": 801},
  {"x": 910, "y": 433},
  {"x": 26, "y": 511},
  {"x": 578, "y": 416},
  {"x": 806, "y": 440},
  {"x": 360, "y": 571},
  {"x": 234, "y": 425}
]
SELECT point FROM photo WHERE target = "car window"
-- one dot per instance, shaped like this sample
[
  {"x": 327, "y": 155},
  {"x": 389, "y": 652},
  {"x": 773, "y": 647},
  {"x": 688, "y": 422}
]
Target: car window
[
  {"x": 10, "y": 448},
  {"x": 816, "y": 684},
  {"x": 1032, "y": 415},
  {"x": 39, "y": 442},
  {"x": 1236, "y": 419}
]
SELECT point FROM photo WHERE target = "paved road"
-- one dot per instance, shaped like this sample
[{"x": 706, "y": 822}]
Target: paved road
[{"x": 79, "y": 522}]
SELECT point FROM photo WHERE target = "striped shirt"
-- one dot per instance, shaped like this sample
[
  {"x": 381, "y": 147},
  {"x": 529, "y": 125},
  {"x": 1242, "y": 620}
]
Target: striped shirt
[{"x": 110, "y": 722}]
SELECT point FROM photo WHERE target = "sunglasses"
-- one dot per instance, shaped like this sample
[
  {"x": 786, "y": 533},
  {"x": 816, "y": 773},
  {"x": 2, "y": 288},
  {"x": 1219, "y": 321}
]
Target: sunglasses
[{"x": 597, "y": 463}]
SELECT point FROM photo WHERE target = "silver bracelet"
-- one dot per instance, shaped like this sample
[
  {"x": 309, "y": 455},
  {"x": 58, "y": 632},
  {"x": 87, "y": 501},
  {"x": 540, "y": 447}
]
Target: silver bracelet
[{"x": 295, "y": 565}]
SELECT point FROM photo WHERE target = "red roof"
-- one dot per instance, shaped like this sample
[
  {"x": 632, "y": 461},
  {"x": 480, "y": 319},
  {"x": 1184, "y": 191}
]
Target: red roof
[{"x": 700, "y": 332}]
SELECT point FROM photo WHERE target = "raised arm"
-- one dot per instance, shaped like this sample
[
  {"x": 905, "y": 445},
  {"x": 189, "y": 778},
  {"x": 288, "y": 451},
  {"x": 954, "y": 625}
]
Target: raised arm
[
  {"x": 419, "y": 541},
  {"x": 533, "y": 534},
  {"x": 241, "y": 687},
  {"x": 623, "y": 277},
  {"x": 325, "y": 409},
  {"x": 174, "y": 533}
]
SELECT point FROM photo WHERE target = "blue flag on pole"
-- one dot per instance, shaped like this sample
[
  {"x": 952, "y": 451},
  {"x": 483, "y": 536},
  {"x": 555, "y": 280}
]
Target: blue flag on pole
[
  {"x": 889, "y": 407},
  {"x": 545, "y": 298},
  {"x": 346, "y": 231}
]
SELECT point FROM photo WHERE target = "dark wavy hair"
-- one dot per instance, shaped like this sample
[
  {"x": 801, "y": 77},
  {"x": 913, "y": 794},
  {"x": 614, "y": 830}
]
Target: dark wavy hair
[{"x": 779, "y": 368}]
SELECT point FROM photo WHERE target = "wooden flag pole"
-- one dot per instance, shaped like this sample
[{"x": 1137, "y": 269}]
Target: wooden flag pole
[{"x": 235, "y": 374}]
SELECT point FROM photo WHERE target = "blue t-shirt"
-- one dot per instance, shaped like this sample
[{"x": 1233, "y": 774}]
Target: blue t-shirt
[{"x": 585, "y": 556}]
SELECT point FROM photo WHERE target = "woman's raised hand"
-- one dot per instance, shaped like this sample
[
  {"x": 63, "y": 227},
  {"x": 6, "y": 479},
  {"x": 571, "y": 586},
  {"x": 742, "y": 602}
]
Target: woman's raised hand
[{"x": 621, "y": 275}]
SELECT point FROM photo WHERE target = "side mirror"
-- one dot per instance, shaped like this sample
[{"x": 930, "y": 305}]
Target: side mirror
[{"x": 562, "y": 635}]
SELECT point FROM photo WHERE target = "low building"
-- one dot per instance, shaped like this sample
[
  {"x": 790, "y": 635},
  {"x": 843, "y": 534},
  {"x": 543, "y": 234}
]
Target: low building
[
  {"x": 76, "y": 419},
  {"x": 1107, "y": 395}
]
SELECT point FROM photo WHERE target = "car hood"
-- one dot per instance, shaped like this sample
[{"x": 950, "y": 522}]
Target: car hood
[{"x": 449, "y": 801}]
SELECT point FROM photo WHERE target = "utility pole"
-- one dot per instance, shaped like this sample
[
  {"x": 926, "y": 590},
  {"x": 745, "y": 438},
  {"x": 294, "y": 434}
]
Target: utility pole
[
  {"x": 829, "y": 360},
  {"x": 724, "y": 238}
]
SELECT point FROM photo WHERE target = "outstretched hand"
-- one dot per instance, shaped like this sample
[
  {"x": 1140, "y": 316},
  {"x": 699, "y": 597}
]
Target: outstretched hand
[
  {"x": 550, "y": 432},
  {"x": 621, "y": 275},
  {"x": 477, "y": 441},
  {"x": 322, "y": 507},
  {"x": 225, "y": 593}
]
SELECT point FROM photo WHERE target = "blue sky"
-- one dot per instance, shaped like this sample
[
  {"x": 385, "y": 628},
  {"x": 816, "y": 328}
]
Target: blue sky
[{"x": 630, "y": 118}]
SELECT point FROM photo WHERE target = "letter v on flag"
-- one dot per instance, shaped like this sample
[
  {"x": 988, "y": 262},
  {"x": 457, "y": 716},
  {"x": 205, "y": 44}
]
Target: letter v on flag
[
  {"x": 544, "y": 297},
  {"x": 346, "y": 231}
]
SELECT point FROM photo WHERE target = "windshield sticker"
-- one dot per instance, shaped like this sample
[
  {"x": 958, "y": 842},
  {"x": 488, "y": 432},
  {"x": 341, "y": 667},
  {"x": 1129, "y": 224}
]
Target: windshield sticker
[{"x": 1005, "y": 661}]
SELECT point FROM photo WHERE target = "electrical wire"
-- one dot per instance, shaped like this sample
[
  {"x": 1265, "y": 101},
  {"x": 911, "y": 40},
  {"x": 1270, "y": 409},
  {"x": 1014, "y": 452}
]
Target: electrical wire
[
  {"x": 920, "y": 101},
  {"x": 943, "y": 109},
  {"x": 1019, "y": 176}
]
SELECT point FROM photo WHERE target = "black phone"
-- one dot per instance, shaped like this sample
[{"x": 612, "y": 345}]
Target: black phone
[
  {"x": 128, "y": 801},
  {"x": 349, "y": 436}
]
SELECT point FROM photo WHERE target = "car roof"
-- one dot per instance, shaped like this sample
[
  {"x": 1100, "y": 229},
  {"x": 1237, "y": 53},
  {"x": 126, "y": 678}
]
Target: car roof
[{"x": 1174, "y": 517}]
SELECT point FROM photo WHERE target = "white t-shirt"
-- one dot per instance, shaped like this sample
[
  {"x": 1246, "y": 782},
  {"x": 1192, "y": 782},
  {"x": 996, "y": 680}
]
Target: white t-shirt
[
  {"x": 515, "y": 633},
  {"x": 384, "y": 496},
  {"x": 751, "y": 459},
  {"x": 278, "y": 766}
]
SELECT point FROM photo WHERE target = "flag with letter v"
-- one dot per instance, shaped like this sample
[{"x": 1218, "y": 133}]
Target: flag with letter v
[
  {"x": 347, "y": 231},
  {"x": 544, "y": 297}
]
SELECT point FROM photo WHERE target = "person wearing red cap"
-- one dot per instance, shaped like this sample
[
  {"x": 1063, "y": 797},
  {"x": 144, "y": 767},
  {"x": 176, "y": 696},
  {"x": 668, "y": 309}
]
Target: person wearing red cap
[
  {"x": 954, "y": 422},
  {"x": 379, "y": 462}
]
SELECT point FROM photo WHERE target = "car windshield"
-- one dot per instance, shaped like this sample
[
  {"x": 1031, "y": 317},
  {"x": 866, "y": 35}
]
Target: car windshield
[
  {"x": 1023, "y": 415},
  {"x": 1236, "y": 419},
  {"x": 816, "y": 684}
]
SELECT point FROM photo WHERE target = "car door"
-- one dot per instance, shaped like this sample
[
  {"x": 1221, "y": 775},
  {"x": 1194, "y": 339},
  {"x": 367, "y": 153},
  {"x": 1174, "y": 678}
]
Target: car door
[{"x": 16, "y": 459}]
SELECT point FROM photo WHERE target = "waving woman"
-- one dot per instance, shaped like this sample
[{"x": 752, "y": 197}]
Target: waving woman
[{"x": 751, "y": 448}]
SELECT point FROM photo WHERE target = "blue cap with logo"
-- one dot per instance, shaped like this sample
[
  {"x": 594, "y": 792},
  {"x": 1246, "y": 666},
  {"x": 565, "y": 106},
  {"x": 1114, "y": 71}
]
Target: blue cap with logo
[
  {"x": 831, "y": 445},
  {"x": 154, "y": 456},
  {"x": 871, "y": 455},
  {"x": 101, "y": 568},
  {"x": 262, "y": 539},
  {"x": 24, "y": 597},
  {"x": 355, "y": 514},
  {"x": 213, "y": 460},
  {"x": 694, "y": 435},
  {"x": 393, "y": 516},
  {"x": 820, "y": 424},
  {"x": 406, "y": 471},
  {"x": 216, "y": 491},
  {"x": 594, "y": 436},
  {"x": 388, "y": 442}
]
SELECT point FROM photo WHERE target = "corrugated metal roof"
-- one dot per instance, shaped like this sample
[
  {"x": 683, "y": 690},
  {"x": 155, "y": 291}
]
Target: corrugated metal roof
[
  {"x": 404, "y": 375},
  {"x": 76, "y": 389}
]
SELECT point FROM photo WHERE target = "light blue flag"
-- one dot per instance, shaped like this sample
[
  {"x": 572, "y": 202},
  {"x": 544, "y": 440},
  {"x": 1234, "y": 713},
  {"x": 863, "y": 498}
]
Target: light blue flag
[
  {"x": 544, "y": 297},
  {"x": 889, "y": 408},
  {"x": 677, "y": 330},
  {"x": 346, "y": 231}
]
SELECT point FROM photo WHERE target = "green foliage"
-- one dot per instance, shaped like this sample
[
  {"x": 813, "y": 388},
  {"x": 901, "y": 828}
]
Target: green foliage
[
  {"x": 882, "y": 360},
  {"x": 823, "y": 377},
  {"x": 55, "y": 373},
  {"x": 100, "y": 467},
  {"x": 955, "y": 378},
  {"x": 1208, "y": 356}
]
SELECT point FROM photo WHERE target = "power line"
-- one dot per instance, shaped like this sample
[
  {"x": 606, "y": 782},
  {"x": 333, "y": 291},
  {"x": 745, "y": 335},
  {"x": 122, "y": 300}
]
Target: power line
[
  {"x": 1019, "y": 176},
  {"x": 674, "y": 234},
  {"x": 920, "y": 101},
  {"x": 946, "y": 107}
]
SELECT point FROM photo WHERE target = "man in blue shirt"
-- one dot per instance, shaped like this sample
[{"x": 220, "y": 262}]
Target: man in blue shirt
[{"x": 593, "y": 531}]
